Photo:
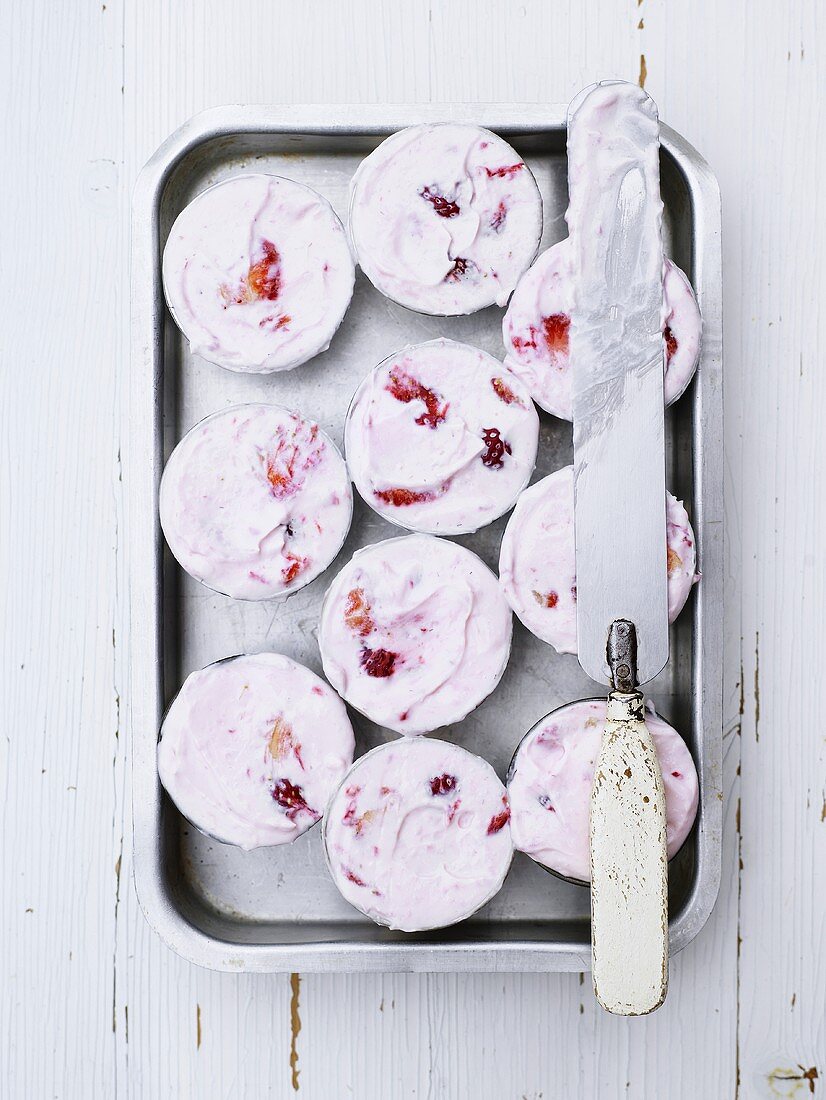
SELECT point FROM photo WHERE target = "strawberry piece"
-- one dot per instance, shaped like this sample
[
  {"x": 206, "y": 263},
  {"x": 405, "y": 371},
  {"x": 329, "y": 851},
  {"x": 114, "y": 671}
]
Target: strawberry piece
[
  {"x": 263, "y": 280},
  {"x": 443, "y": 784},
  {"x": 504, "y": 392},
  {"x": 445, "y": 208},
  {"x": 380, "y": 663},
  {"x": 500, "y": 820},
  {"x": 496, "y": 449},
  {"x": 296, "y": 566},
  {"x": 550, "y": 599},
  {"x": 406, "y": 389},
  {"x": 357, "y": 613},
  {"x": 671, "y": 344},
  {"x": 556, "y": 332},
  {"x": 292, "y": 454},
  {"x": 402, "y": 497}
]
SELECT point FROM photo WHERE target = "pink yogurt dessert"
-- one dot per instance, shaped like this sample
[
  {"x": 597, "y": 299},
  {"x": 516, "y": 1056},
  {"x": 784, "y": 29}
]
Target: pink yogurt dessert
[
  {"x": 440, "y": 438},
  {"x": 444, "y": 218},
  {"x": 550, "y": 780},
  {"x": 415, "y": 633},
  {"x": 417, "y": 835},
  {"x": 258, "y": 273},
  {"x": 255, "y": 501},
  {"x": 535, "y": 330},
  {"x": 537, "y": 559},
  {"x": 252, "y": 747}
]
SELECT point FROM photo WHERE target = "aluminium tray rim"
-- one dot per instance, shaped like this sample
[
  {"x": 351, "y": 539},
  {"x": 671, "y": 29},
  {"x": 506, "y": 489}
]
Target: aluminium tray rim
[{"x": 142, "y": 475}]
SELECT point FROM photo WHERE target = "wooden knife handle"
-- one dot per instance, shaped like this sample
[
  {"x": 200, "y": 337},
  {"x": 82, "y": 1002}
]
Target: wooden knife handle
[{"x": 629, "y": 865}]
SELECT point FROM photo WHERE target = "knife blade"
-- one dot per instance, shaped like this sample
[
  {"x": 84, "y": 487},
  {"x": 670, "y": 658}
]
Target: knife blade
[{"x": 616, "y": 355}]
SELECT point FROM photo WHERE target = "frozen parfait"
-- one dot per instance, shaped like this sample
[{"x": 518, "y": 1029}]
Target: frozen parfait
[
  {"x": 444, "y": 218},
  {"x": 417, "y": 836},
  {"x": 258, "y": 273},
  {"x": 415, "y": 633},
  {"x": 535, "y": 330},
  {"x": 550, "y": 780},
  {"x": 537, "y": 559},
  {"x": 252, "y": 748},
  {"x": 255, "y": 501},
  {"x": 440, "y": 438}
]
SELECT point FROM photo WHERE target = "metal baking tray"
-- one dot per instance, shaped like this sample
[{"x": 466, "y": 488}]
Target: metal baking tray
[{"x": 276, "y": 909}]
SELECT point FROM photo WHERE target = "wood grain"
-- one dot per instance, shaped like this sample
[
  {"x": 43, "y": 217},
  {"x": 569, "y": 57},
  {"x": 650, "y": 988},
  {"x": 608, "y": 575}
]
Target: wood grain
[{"x": 92, "y": 1004}]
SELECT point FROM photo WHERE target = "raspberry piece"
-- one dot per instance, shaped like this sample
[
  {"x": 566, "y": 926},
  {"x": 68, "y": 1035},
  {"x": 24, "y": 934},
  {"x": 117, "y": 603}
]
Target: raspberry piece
[
  {"x": 445, "y": 208},
  {"x": 459, "y": 269},
  {"x": 550, "y": 599},
  {"x": 498, "y": 219},
  {"x": 494, "y": 456},
  {"x": 357, "y": 613},
  {"x": 443, "y": 784},
  {"x": 556, "y": 332},
  {"x": 290, "y": 798},
  {"x": 401, "y": 497},
  {"x": 500, "y": 820},
  {"x": 380, "y": 663},
  {"x": 406, "y": 389},
  {"x": 671, "y": 344},
  {"x": 504, "y": 392},
  {"x": 505, "y": 172}
]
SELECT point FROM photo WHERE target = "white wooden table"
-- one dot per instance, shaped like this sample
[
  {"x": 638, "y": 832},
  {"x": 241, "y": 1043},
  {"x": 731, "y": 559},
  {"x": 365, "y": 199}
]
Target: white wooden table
[{"x": 92, "y": 1005}]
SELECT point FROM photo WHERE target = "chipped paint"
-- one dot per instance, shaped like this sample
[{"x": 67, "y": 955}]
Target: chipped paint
[
  {"x": 295, "y": 1027},
  {"x": 197, "y": 1027},
  {"x": 643, "y": 71}
]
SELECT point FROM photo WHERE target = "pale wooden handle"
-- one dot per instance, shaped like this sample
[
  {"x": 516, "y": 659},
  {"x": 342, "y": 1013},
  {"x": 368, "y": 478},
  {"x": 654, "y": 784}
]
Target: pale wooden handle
[{"x": 629, "y": 865}]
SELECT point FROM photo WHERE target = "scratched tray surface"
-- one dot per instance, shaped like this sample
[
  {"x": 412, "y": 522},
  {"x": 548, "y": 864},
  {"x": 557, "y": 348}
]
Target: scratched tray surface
[{"x": 276, "y": 908}]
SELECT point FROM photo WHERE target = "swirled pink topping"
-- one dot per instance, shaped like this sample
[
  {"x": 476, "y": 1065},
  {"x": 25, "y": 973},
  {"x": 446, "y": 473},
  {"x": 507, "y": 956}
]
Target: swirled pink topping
[
  {"x": 414, "y": 633},
  {"x": 444, "y": 218},
  {"x": 537, "y": 559},
  {"x": 255, "y": 501},
  {"x": 535, "y": 331},
  {"x": 417, "y": 835},
  {"x": 252, "y": 748},
  {"x": 441, "y": 438},
  {"x": 551, "y": 778},
  {"x": 258, "y": 273}
]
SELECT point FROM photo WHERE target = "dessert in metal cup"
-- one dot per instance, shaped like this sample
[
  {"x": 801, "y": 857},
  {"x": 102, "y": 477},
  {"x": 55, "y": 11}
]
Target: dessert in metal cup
[
  {"x": 258, "y": 273},
  {"x": 252, "y": 747},
  {"x": 441, "y": 438},
  {"x": 535, "y": 330},
  {"x": 444, "y": 218},
  {"x": 255, "y": 501},
  {"x": 550, "y": 780},
  {"x": 415, "y": 633},
  {"x": 417, "y": 835},
  {"x": 537, "y": 569}
]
